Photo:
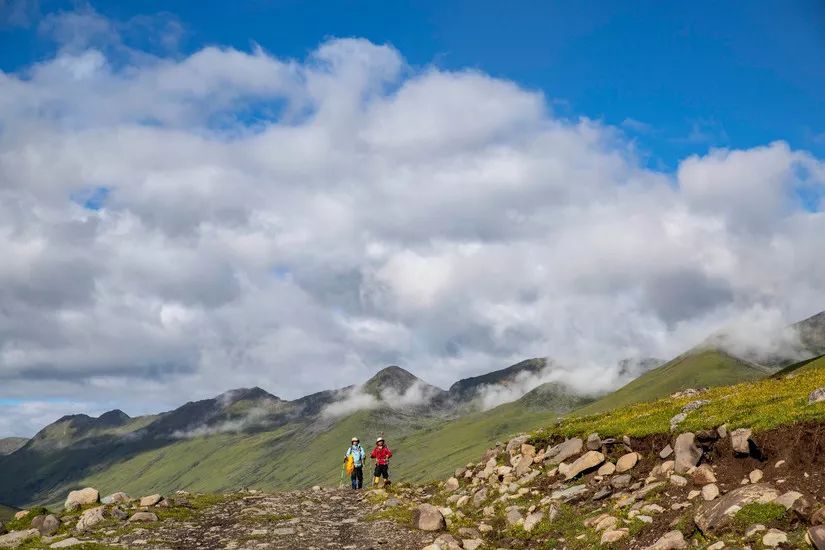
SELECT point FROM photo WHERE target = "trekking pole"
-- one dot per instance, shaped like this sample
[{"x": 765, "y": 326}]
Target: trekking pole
[{"x": 341, "y": 483}]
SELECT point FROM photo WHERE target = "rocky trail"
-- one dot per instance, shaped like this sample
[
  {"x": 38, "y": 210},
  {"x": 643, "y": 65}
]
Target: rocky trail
[{"x": 306, "y": 520}]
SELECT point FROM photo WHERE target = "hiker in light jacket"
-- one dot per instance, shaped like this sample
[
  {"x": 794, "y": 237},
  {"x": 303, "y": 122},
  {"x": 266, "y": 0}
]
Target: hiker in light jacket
[
  {"x": 381, "y": 453},
  {"x": 356, "y": 451}
]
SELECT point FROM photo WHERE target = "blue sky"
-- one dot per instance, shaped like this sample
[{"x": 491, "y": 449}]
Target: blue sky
[{"x": 677, "y": 77}]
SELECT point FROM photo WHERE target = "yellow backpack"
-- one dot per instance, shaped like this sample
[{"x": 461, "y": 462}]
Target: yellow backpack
[{"x": 350, "y": 466}]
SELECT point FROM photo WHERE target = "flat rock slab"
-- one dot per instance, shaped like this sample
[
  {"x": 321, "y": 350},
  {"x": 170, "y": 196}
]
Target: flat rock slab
[{"x": 718, "y": 514}]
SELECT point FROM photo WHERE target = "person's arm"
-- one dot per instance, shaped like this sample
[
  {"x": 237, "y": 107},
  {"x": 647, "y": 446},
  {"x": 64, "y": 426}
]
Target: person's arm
[{"x": 389, "y": 452}]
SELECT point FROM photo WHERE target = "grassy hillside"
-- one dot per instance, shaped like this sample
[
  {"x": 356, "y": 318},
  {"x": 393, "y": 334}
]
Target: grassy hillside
[
  {"x": 761, "y": 405},
  {"x": 6, "y": 512},
  {"x": 300, "y": 456},
  {"x": 10, "y": 444},
  {"x": 704, "y": 368}
]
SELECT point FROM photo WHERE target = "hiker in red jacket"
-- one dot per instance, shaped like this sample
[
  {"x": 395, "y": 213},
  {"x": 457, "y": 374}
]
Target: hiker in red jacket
[{"x": 381, "y": 454}]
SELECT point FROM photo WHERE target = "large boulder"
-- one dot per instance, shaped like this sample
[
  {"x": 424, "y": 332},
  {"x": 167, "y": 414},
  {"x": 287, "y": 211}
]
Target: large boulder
[
  {"x": 718, "y": 514},
  {"x": 16, "y": 538},
  {"x": 428, "y": 518},
  {"x": 451, "y": 485},
  {"x": 115, "y": 498},
  {"x": 83, "y": 497},
  {"x": 585, "y": 462},
  {"x": 564, "y": 450},
  {"x": 816, "y": 396},
  {"x": 687, "y": 453},
  {"x": 817, "y": 536}
]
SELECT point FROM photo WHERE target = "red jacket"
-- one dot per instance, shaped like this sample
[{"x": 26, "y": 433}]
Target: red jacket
[{"x": 381, "y": 455}]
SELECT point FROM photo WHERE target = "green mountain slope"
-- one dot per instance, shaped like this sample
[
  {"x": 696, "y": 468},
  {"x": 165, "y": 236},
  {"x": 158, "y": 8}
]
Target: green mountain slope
[
  {"x": 6, "y": 512},
  {"x": 695, "y": 369}
]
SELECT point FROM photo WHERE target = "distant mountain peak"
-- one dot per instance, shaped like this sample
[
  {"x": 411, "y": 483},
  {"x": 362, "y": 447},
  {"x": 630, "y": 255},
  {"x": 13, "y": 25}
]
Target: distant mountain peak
[
  {"x": 390, "y": 378},
  {"x": 468, "y": 388},
  {"x": 245, "y": 394}
]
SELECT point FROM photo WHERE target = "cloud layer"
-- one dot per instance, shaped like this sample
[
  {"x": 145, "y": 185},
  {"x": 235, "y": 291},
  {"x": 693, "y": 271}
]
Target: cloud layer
[{"x": 174, "y": 226}]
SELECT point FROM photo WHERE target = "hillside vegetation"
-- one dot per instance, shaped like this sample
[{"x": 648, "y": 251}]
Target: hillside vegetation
[
  {"x": 761, "y": 405},
  {"x": 696, "y": 369}
]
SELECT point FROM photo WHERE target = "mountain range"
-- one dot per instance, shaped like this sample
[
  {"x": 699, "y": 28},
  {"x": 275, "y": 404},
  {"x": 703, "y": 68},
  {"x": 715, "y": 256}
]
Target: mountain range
[{"x": 249, "y": 437}]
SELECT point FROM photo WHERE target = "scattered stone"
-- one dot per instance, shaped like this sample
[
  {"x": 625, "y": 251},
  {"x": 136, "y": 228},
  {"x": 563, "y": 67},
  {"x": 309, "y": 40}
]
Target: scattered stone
[
  {"x": 150, "y": 500},
  {"x": 740, "y": 440},
  {"x": 115, "y": 498},
  {"x": 755, "y": 476},
  {"x": 588, "y": 460},
  {"x": 472, "y": 544},
  {"x": 76, "y": 499},
  {"x": 450, "y": 485},
  {"x": 817, "y": 536},
  {"x": 715, "y": 515},
  {"x": 66, "y": 543},
  {"x": 569, "y": 494},
  {"x": 774, "y": 537},
  {"x": 565, "y": 450},
  {"x": 143, "y": 517},
  {"x": 532, "y": 520},
  {"x": 710, "y": 492},
  {"x": 610, "y": 537},
  {"x": 606, "y": 469},
  {"x": 666, "y": 452},
  {"x": 676, "y": 420},
  {"x": 816, "y": 396},
  {"x": 21, "y": 514},
  {"x": 428, "y": 518},
  {"x": 678, "y": 480},
  {"x": 788, "y": 499},
  {"x": 594, "y": 442},
  {"x": 716, "y": 546},
  {"x": 621, "y": 482},
  {"x": 703, "y": 475},
  {"x": 672, "y": 540},
  {"x": 90, "y": 518},
  {"x": 49, "y": 526},
  {"x": 513, "y": 516},
  {"x": 687, "y": 453},
  {"x": 627, "y": 462},
  {"x": 16, "y": 538}
]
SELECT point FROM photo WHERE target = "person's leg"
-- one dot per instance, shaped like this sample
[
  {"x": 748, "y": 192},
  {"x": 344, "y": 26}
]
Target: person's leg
[
  {"x": 353, "y": 478},
  {"x": 385, "y": 471},
  {"x": 359, "y": 473},
  {"x": 376, "y": 475}
]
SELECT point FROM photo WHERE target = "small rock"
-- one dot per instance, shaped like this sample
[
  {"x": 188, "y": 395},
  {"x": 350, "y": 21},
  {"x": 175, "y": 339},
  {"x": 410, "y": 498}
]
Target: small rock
[
  {"x": 143, "y": 517},
  {"x": 703, "y": 475},
  {"x": 627, "y": 462},
  {"x": 16, "y": 538},
  {"x": 722, "y": 431},
  {"x": 666, "y": 452},
  {"x": 565, "y": 450},
  {"x": 49, "y": 526},
  {"x": 816, "y": 396},
  {"x": 774, "y": 537},
  {"x": 150, "y": 500},
  {"x": 532, "y": 520},
  {"x": 66, "y": 543},
  {"x": 513, "y": 516},
  {"x": 788, "y": 499},
  {"x": 672, "y": 540},
  {"x": 21, "y": 514},
  {"x": 588, "y": 460},
  {"x": 451, "y": 485},
  {"x": 115, "y": 498},
  {"x": 817, "y": 536},
  {"x": 472, "y": 544},
  {"x": 676, "y": 420},
  {"x": 428, "y": 518},
  {"x": 610, "y": 537},
  {"x": 606, "y": 469},
  {"x": 620, "y": 482},
  {"x": 740, "y": 440},
  {"x": 90, "y": 518},
  {"x": 678, "y": 480},
  {"x": 710, "y": 492},
  {"x": 594, "y": 442}
]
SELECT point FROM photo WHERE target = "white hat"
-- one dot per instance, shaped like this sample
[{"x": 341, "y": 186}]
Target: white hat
[
  {"x": 355, "y": 439},
  {"x": 379, "y": 439}
]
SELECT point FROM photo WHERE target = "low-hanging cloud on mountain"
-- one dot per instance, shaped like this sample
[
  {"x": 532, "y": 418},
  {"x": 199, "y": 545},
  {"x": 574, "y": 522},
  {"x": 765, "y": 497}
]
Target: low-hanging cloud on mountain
[
  {"x": 357, "y": 399},
  {"x": 175, "y": 225}
]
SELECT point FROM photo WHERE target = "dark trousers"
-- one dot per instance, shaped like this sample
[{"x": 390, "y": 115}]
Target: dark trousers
[
  {"x": 382, "y": 470},
  {"x": 357, "y": 477}
]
